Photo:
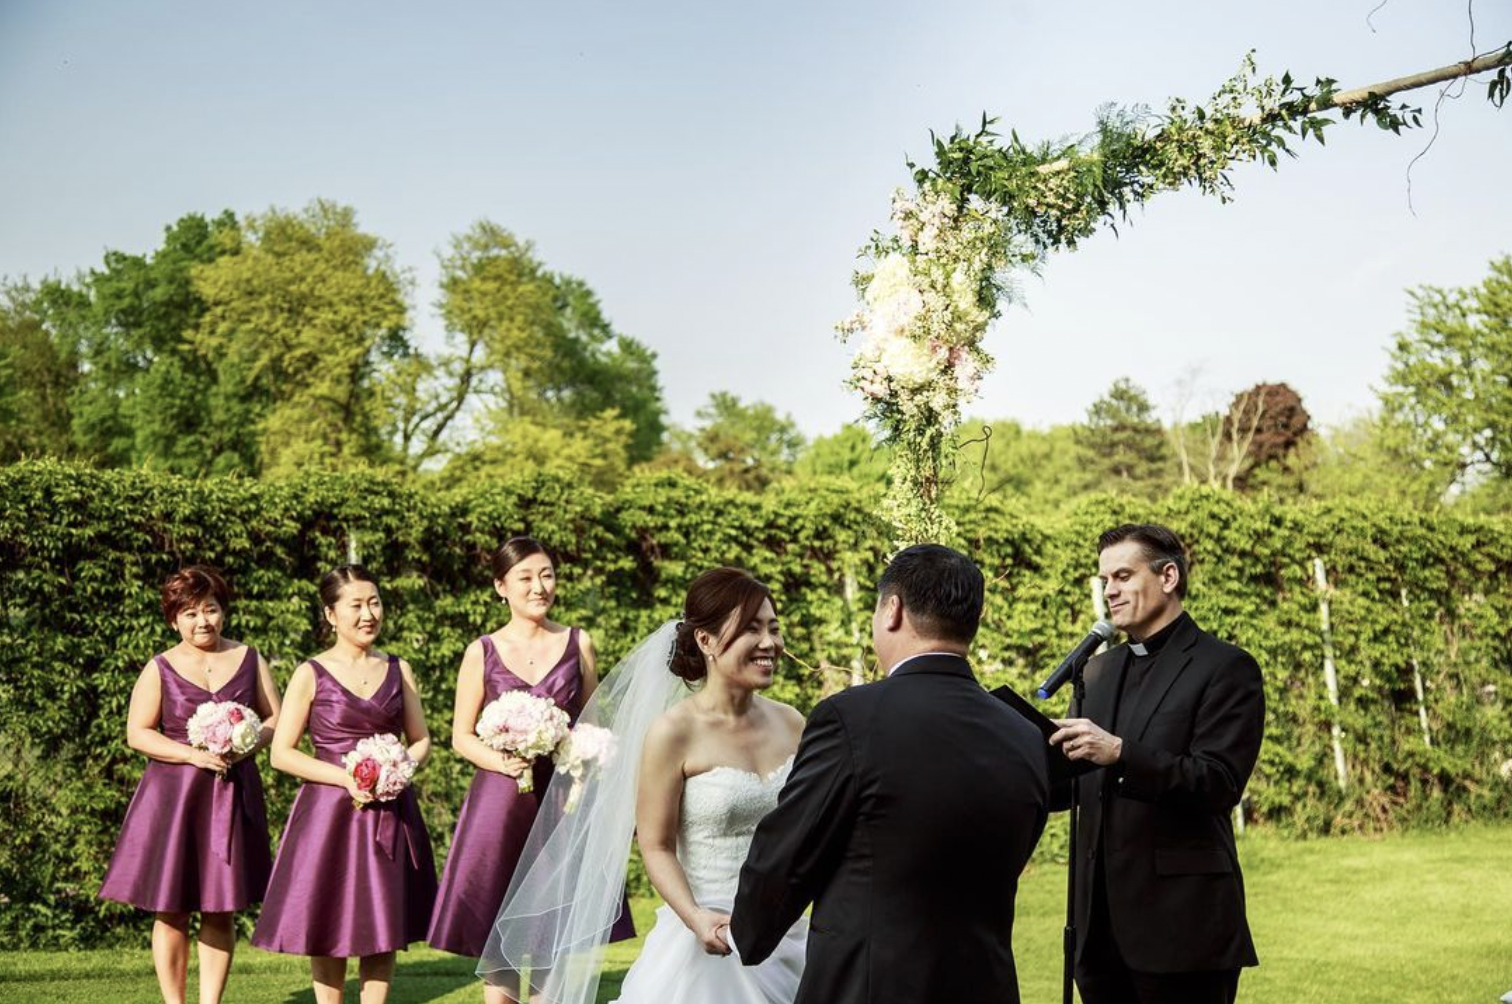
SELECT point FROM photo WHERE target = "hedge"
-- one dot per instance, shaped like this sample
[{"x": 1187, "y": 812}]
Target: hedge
[{"x": 82, "y": 553}]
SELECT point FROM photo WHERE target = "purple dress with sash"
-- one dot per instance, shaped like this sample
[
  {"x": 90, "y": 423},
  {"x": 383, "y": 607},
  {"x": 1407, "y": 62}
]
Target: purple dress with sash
[
  {"x": 348, "y": 881},
  {"x": 496, "y": 818},
  {"x": 192, "y": 841}
]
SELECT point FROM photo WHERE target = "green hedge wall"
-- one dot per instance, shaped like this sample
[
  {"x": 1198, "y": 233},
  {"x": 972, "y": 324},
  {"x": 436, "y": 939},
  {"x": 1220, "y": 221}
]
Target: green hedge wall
[{"x": 82, "y": 554}]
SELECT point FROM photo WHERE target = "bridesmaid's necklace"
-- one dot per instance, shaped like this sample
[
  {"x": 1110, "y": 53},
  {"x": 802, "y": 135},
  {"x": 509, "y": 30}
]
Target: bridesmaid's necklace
[
  {"x": 204, "y": 670},
  {"x": 530, "y": 655},
  {"x": 362, "y": 667},
  {"x": 363, "y": 673}
]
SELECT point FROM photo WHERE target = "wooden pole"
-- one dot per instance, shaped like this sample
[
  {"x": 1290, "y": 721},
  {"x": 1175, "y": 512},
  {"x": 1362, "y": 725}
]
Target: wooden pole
[
  {"x": 1355, "y": 95},
  {"x": 1330, "y": 675},
  {"x": 849, "y": 589},
  {"x": 1465, "y": 68},
  {"x": 1417, "y": 675},
  {"x": 1099, "y": 604}
]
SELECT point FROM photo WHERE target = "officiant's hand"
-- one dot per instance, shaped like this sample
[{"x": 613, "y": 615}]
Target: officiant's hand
[
  {"x": 1082, "y": 739},
  {"x": 710, "y": 926}
]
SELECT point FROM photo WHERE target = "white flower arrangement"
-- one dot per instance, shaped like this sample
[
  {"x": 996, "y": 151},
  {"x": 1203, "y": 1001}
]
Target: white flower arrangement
[{"x": 926, "y": 306}]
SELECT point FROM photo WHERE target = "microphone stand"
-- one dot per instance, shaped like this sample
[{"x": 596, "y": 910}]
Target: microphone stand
[{"x": 1068, "y": 941}]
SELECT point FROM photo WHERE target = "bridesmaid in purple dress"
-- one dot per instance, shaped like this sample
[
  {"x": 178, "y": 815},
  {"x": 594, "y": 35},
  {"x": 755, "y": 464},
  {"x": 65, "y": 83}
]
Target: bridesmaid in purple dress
[
  {"x": 530, "y": 652},
  {"x": 196, "y": 834},
  {"x": 354, "y": 877}
]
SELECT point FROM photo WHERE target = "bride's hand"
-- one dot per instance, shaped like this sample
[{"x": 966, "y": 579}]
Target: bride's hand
[{"x": 709, "y": 926}]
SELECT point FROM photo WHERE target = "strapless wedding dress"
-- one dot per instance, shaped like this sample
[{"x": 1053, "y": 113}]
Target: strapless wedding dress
[{"x": 720, "y": 810}]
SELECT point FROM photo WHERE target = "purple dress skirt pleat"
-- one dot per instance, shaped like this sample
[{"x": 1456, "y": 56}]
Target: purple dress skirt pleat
[
  {"x": 496, "y": 818},
  {"x": 349, "y": 882},
  {"x": 193, "y": 841}
]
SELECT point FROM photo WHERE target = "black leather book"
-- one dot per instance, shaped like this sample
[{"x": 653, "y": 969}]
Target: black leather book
[{"x": 1062, "y": 768}]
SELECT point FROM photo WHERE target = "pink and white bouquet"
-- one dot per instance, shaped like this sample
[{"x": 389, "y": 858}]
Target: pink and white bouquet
[
  {"x": 586, "y": 750},
  {"x": 381, "y": 765},
  {"x": 521, "y": 724},
  {"x": 224, "y": 728}
]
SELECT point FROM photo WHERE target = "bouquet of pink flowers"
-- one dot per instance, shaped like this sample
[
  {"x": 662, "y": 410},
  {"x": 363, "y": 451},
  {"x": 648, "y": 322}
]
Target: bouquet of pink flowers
[
  {"x": 381, "y": 765},
  {"x": 587, "y": 749},
  {"x": 224, "y": 728},
  {"x": 521, "y": 724}
]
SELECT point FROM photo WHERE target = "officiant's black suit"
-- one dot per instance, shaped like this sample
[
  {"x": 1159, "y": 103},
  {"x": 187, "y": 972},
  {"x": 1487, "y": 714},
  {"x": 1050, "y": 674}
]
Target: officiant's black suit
[
  {"x": 911, "y": 809},
  {"x": 1161, "y": 873}
]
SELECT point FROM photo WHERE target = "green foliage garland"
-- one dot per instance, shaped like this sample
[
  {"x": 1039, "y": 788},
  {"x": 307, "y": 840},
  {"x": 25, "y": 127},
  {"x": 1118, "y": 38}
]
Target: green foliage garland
[{"x": 987, "y": 208}]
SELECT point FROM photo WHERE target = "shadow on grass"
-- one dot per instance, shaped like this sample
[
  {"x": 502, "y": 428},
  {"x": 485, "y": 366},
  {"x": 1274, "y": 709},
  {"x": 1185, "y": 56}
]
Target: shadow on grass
[
  {"x": 610, "y": 981},
  {"x": 417, "y": 982}
]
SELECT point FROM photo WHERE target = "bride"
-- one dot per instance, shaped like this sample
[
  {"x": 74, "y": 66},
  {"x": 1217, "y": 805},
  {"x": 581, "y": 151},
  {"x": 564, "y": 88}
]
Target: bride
[{"x": 701, "y": 758}]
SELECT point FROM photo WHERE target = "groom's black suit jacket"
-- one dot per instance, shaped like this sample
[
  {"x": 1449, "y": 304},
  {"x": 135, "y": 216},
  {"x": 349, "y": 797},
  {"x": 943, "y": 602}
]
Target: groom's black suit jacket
[
  {"x": 1159, "y": 818},
  {"x": 911, "y": 809}
]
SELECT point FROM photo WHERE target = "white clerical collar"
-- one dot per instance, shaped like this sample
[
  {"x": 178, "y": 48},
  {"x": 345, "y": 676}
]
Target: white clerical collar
[
  {"x": 1138, "y": 649},
  {"x": 920, "y": 655}
]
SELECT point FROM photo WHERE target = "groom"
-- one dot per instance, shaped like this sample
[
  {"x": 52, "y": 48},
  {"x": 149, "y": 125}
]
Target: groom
[{"x": 911, "y": 809}]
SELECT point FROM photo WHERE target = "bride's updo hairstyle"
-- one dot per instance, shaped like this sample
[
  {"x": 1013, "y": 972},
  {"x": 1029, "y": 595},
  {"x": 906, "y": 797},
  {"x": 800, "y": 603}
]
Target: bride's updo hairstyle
[{"x": 712, "y": 598}]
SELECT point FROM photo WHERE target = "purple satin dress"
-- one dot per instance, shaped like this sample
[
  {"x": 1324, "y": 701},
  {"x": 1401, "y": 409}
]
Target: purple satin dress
[
  {"x": 496, "y": 818},
  {"x": 348, "y": 881},
  {"x": 192, "y": 841}
]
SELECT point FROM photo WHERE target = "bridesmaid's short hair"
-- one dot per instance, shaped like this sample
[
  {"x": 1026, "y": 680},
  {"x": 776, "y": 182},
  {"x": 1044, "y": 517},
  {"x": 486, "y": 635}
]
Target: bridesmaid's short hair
[
  {"x": 712, "y": 597},
  {"x": 192, "y": 585},
  {"x": 331, "y": 584},
  {"x": 515, "y": 550}
]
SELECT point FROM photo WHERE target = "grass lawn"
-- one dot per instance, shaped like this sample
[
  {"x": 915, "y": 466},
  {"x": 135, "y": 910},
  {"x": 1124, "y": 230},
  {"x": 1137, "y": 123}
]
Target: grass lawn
[{"x": 1414, "y": 919}]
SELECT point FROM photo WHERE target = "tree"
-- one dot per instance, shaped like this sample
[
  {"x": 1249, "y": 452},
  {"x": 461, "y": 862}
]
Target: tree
[
  {"x": 1124, "y": 442},
  {"x": 737, "y": 445},
  {"x": 299, "y": 322},
  {"x": 526, "y": 344},
  {"x": 1450, "y": 380},
  {"x": 1278, "y": 423},
  {"x": 497, "y": 305},
  {"x": 593, "y": 451},
  {"x": 851, "y": 453},
  {"x": 1037, "y": 470},
  {"x": 37, "y": 374},
  {"x": 142, "y": 388},
  {"x": 1364, "y": 457},
  {"x": 597, "y": 370},
  {"x": 1258, "y": 432}
]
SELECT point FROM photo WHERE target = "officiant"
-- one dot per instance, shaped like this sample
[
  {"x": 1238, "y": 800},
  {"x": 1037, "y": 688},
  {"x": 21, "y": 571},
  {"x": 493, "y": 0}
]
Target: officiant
[{"x": 1175, "y": 716}]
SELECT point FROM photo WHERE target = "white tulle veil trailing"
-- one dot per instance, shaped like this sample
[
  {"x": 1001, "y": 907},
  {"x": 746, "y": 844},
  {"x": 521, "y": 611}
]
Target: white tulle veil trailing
[{"x": 566, "y": 893}]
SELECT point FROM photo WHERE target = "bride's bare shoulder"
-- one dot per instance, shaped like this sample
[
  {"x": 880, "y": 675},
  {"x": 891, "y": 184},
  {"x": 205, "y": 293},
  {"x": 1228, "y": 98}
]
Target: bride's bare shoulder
[
  {"x": 672, "y": 729},
  {"x": 789, "y": 716}
]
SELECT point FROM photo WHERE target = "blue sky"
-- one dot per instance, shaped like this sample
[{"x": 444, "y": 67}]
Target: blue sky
[{"x": 710, "y": 169}]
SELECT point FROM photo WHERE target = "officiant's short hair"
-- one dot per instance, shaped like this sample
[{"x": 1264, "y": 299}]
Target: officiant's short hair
[
  {"x": 1159, "y": 545},
  {"x": 940, "y": 588}
]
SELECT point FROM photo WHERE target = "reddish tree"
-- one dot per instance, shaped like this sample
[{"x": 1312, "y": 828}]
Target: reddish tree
[{"x": 1268, "y": 422}]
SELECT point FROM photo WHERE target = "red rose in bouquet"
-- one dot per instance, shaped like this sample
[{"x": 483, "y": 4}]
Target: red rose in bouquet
[{"x": 366, "y": 774}]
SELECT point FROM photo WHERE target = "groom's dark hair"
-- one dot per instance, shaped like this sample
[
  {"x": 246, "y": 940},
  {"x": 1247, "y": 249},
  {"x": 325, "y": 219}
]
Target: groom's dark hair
[{"x": 940, "y": 588}]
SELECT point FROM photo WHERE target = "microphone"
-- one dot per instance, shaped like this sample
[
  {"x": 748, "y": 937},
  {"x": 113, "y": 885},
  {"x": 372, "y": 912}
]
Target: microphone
[{"x": 1102, "y": 631}]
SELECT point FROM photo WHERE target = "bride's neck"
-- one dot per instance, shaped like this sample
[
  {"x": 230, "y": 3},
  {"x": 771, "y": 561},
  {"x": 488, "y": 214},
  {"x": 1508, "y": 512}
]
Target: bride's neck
[{"x": 721, "y": 697}]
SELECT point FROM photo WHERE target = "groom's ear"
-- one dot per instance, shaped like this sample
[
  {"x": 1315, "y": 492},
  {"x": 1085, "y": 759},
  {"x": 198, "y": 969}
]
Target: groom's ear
[{"x": 892, "y": 612}]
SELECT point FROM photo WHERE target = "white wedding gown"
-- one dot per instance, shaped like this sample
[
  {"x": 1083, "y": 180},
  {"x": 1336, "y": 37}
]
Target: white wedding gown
[{"x": 720, "y": 810}]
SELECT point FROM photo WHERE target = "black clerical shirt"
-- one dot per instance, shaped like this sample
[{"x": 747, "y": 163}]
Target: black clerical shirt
[{"x": 1139, "y": 667}]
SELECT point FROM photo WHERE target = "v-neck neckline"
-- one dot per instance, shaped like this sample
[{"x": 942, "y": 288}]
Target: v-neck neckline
[
  {"x": 376, "y": 690},
  {"x": 240, "y": 667},
  {"x": 566, "y": 651}
]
